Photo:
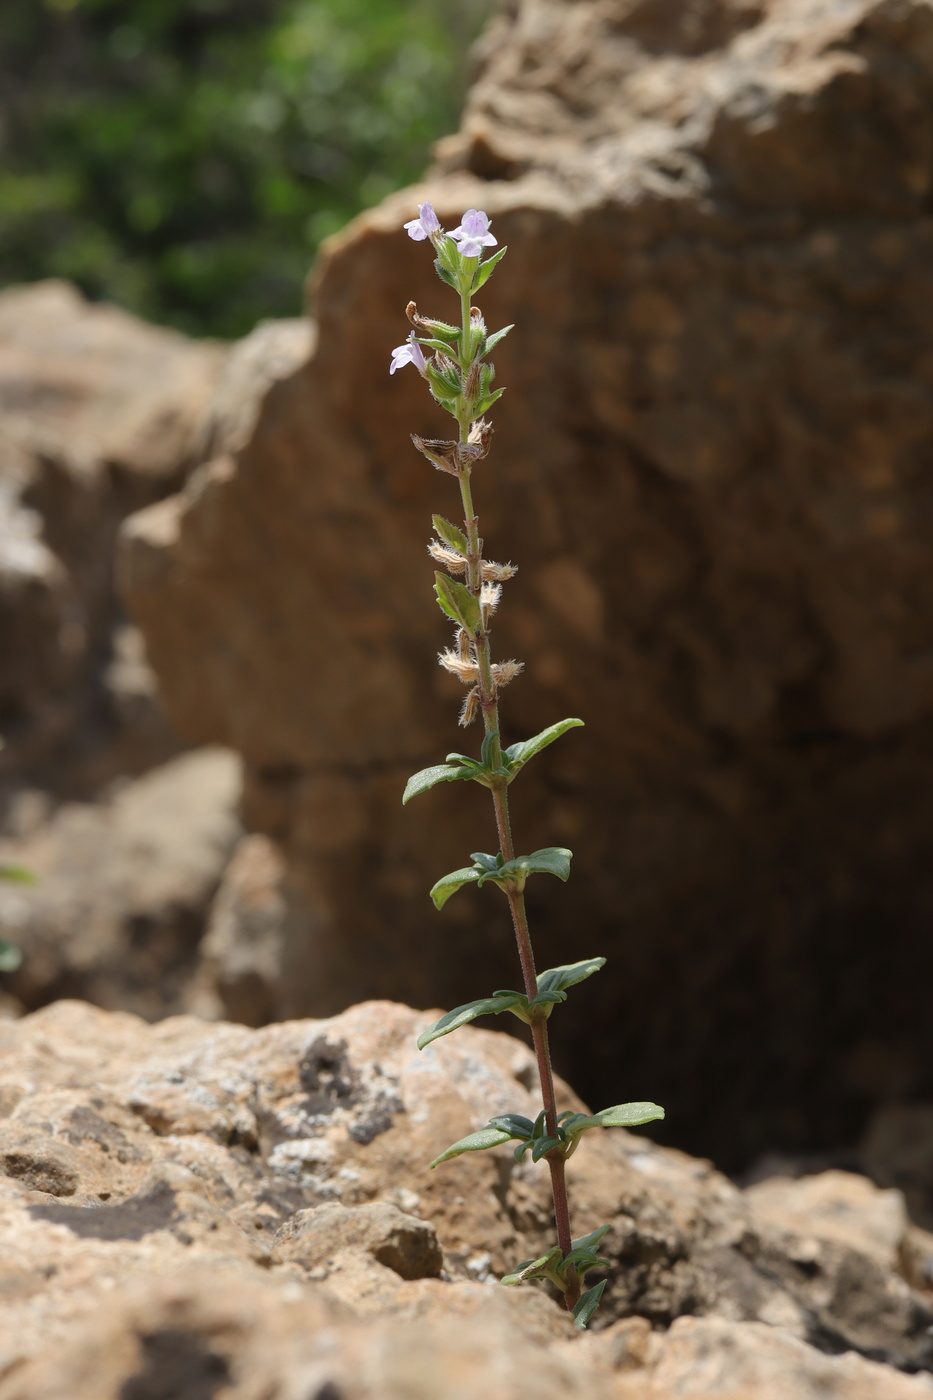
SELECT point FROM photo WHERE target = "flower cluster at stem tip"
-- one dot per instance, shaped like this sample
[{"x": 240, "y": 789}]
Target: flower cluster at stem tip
[
  {"x": 453, "y": 360},
  {"x": 471, "y": 236}
]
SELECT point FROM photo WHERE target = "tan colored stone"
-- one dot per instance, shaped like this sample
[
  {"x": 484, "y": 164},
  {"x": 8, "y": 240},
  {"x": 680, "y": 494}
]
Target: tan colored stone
[
  {"x": 839, "y": 1206},
  {"x": 123, "y": 887},
  {"x": 298, "y": 1155},
  {"x": 99, "y": 415},
  {"x": 716, "y": 1360},
  {"x": 240, "y": 974},
  {"x": 399, "y": 1242}
]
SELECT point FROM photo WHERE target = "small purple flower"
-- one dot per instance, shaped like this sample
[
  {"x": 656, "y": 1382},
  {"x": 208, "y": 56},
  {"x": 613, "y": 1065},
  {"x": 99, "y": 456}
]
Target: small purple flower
[
  {"x": 408, "y": 354},
  {"x": 426, "y": 224},
  {"x": 473, "y": 234}
]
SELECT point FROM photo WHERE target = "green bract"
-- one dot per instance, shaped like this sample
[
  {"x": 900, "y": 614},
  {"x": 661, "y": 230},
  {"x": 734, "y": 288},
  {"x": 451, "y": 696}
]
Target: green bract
[
  {"x": 492, "y": 341},
  {"x": 460, "y": 605},
  {"x": 486, "y": 269},
  {"x": 450, "y": 534}
]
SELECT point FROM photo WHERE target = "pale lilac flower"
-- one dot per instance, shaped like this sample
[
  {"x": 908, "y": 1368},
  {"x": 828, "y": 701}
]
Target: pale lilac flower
[
  {"x": 473, "y": 234},
  {"x": 426, "y": 224},
  {"x": 408, "y": 354}
]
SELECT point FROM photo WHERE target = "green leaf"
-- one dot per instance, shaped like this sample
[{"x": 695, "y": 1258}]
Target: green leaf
[
  {"x": 493, "y": 340},
  {"x": 461, "y": 1015},
  {"x": 10, "y": 956},
  {"x": 484, "y": 404},
  {"x": 465, "y": 759},
  {"x": 442, "y": 345},
  {"x": 458, "y": 603},
  {"x": 450, "y": 534},
  {"x": 489, "y": 743},
  {"x": 587, "y": 1304},
  {"x": 488, "y": 863},
  {"x": 551, "y": 860},
  {"x": 513, "y": 1124},
  {"x": 430, "y": 777},
  {"x": 545, "y": 1267},
  {"x": 592, "y": 1239},
  {"x": 519, "y": 754},
  {"x": 557, "y": 979},
  {"x": 584, "y": 1259},
  {"x": 450, "y": 884},
  {"x": 486, "y": 269},
  {"x": 544, "y": 1145},
  {"x": 548, "y": 998},
  {"x": 621, "y": 1115},
  {"x": 475, "y": 1142},
  {"x": 628, "y": 1115}
]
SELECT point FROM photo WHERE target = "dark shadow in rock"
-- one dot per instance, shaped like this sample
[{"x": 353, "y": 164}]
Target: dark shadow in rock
[
  {"x": 176, "y": 1366},
  {"x": 328, "y": 1077},
  {"x": 128, "y": 1220}
]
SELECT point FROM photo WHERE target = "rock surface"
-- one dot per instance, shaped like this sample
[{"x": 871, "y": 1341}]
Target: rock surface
[
  {"x": 190, "y": 1209},
  {"x": 123, "y": 888},
  {"x": 241, "y": 970},
  {"x": 99, "y": 415},
  {"x": 711, "y": 468}
]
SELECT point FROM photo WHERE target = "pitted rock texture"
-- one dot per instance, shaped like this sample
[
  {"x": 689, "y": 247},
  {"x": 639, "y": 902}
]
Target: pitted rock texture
[
  {"x": 299, "y": 1154},
  {"x": 197, "y": 1209},
  {"x": 100, "y": 414},
  {"x": 711, "y": 468}
]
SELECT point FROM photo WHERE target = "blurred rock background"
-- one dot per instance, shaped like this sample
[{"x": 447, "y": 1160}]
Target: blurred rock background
[
  {"x": 216, "y": 672},
  {"x": 710, "y": 467}
]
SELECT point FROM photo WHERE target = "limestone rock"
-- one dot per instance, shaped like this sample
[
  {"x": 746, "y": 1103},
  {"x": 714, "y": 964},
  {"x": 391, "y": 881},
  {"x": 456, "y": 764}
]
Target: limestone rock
[
  {"x": 240, "y": 976},
  {"x": 748, "y": 1361},
  {"x": 400, "y": 1242},
  {"x": 838, "y": 1206},
  {"x": 710, "y": 466},
  {"x": 123, "y": 888},
  {"x": 233, "y": 1169},
  {"x": 99, "y": 415}
]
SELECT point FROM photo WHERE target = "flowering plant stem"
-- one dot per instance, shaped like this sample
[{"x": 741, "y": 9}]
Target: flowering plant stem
[
  {"x": 460, "y": 377},
  {"x": 500, "y": 798}
]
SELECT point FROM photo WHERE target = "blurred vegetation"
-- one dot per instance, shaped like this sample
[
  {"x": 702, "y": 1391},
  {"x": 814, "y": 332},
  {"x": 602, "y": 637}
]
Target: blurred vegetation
[{"x": 185, "y": 157}]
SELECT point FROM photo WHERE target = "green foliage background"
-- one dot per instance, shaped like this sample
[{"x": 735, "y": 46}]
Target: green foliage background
[{"x": 185, "y": 157}]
